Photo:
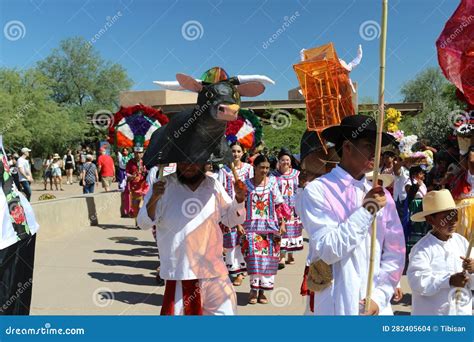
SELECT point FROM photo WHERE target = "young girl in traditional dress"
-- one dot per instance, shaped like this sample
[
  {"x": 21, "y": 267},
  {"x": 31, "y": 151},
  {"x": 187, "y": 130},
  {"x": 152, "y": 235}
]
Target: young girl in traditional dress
[
  {"x": 264, "y": 224},
  {"x": 233, "y": 258},
  {"x": 287, "y": 178}
]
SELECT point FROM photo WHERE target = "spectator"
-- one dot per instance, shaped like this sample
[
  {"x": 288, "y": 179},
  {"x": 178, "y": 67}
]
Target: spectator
[
  {"x": 69, "y": 166},
  {"x": 89, "y": 175},
  {"x": 56, "y": 167},
  {"x": 24, "y": 172},
  {"x": 106, "y": 167},
  {"x": 47, "y": 174}
]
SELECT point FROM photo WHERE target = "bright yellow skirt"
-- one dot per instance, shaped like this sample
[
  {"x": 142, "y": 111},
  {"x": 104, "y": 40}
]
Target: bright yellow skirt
[{"x": 465, "y": 218}]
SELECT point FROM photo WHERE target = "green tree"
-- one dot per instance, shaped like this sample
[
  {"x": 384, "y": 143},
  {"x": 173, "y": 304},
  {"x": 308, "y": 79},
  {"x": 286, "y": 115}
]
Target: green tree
[
  {"x": 439, "y": 100},
  {"x": 84, "y": 82},
  {"x": 31, "y": 118}
]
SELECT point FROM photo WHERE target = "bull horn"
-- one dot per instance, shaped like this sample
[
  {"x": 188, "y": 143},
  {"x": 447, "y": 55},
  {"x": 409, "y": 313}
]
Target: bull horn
[
  {"x": 257, "y": 78},
  {"x": 171, "y": 85}
]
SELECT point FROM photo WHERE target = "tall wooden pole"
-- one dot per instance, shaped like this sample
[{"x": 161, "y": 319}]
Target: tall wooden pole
[{"x": 378, "y": 146}]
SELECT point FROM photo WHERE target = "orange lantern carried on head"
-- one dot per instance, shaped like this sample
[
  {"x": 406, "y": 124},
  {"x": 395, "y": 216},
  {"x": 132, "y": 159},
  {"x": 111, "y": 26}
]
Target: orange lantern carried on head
[{"x": 326, "y": 86}]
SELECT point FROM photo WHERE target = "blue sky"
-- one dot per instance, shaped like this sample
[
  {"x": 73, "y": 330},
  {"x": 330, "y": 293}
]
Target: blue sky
[{"x": 147, "y": 38}]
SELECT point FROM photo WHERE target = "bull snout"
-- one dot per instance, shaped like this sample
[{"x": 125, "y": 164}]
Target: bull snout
[{"x": 228, "y": 112}]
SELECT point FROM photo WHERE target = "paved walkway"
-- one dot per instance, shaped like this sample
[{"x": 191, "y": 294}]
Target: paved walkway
[
  {"x": 69, "y": 190},
  {"x": 110, "y": 270}
]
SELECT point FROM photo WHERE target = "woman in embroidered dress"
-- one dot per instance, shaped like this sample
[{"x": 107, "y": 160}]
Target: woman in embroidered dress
[
  {"x": 287, "y": 178},
  {"x": 234, "y": 259},
  {"x": 264, "y": 224}
]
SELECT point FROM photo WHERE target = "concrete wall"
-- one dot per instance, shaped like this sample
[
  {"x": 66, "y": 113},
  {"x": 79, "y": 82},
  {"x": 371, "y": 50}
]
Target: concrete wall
[
  {"x": 156, "y": 97},
  {"x": 61, "y": 217}
]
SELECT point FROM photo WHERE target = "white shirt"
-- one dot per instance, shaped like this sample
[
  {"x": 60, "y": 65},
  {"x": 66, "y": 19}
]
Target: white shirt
[
  {"x": 432, "y": 263},
  {"x": 25, "y": 164},
  {"x": 332, "y": 213},
  {"x": 187, "y": 228},
  {"x": 399, "y": 192}
]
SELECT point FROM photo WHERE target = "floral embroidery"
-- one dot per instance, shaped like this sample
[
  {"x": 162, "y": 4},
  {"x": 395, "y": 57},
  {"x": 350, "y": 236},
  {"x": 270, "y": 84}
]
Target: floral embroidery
[{"x": 18, "y": 215}]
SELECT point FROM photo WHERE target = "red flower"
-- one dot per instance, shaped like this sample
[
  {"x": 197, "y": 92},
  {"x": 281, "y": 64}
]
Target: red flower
[
  {"x": 260, "y": 205},
  {"x": 245, "y": 245},
  {"x": 264, "y": 244},
  {"x": 18, "y": 214},
  {"x": 259, "y": 245}
]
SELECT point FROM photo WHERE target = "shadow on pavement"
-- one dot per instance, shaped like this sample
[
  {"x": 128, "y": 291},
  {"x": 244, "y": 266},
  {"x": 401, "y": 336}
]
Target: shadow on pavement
[
  {"x": 130, "y": 297},
  {"x": 133, "y": 252},
  {"x": 145, "y": 264},
  {"x": 133, "y": 279}
]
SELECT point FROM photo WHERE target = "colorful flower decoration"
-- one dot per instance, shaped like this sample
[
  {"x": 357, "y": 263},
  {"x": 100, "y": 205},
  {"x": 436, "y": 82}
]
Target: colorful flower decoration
[
  {"x": 134, "y": 125},
  {"x": 393, "y": 118},
  {"x": 247, "y": 129},
  {"x": 406, "y": 144}
]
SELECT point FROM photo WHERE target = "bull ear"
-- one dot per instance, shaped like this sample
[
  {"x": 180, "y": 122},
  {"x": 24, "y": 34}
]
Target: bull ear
[
  {"x": 188, "y": 83},
  {"x": 250, "y": 89}
]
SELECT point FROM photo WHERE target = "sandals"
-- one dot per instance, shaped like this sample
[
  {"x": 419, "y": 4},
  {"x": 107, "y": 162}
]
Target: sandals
[
  {"x": 238, "y": 280},
  {"x": 253, "y": 297},
  {"x": 262, "y": 299}
]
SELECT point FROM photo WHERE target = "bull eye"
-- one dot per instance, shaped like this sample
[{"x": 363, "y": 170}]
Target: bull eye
[{"x": 209, "y": 94}]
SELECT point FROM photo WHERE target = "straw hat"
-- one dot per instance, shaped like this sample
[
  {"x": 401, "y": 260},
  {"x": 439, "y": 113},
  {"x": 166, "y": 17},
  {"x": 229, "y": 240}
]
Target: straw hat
[
  {"x": 387, "y": 180},
  {"x": 56, "y": 156},
  {"x": 436, "y": 202}
]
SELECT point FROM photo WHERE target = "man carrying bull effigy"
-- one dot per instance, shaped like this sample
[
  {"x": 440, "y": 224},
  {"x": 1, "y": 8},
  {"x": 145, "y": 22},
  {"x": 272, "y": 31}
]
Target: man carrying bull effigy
[{"x": 186, "y": 207}]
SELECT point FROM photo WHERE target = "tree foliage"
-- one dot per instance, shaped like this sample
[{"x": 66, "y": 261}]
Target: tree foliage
[
  {"x": 49, "y": 107},
  {"x": 439, "y": 100}
]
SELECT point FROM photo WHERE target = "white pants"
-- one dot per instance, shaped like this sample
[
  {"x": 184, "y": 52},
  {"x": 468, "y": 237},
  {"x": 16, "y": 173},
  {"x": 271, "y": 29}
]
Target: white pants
[{"x": 217, "y": 297}]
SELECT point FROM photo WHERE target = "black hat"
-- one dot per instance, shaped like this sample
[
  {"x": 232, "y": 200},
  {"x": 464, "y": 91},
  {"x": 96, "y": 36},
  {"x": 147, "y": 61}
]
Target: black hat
[
  {"x": 356, "y": 127},
  {"x": 284, "y": 152},
  {"x": 310, "y": 142}
]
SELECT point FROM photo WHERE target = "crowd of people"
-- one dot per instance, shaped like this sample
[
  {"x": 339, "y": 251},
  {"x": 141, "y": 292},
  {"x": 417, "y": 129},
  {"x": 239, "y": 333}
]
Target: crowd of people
[
  {"x": 325, "y": 190},
  {"x": 217, "y": 225}
]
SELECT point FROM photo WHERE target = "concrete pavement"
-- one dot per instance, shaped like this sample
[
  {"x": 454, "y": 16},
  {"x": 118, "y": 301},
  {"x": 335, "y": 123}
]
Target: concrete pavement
[{"x": 109, "y": 269}]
